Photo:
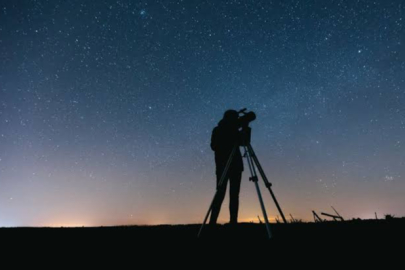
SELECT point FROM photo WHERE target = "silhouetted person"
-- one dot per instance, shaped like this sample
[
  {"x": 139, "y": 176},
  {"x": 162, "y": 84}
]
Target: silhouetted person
[{"x": 223, "y": 138}]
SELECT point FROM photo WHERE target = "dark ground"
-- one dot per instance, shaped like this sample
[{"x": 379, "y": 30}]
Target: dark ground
[{"x": 388, "y": 231}]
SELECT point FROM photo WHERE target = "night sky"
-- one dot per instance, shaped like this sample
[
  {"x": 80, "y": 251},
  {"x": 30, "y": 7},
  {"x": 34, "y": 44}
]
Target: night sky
[{"x": 107, "y": 107}]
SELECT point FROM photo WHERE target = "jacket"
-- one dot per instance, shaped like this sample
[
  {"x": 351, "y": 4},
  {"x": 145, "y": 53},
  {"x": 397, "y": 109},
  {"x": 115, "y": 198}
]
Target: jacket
[{"x": 223, "y": 138}]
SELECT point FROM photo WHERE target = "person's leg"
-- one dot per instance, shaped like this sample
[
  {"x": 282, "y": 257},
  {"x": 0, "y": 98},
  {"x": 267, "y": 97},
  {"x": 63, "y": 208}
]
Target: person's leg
[
  {"x": 235, "y": 181},
  {"x": 219, "y": 198}
]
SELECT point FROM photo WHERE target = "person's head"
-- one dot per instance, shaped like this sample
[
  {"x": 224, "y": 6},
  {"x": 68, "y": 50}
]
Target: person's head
[{"x": 231, "y": 116}]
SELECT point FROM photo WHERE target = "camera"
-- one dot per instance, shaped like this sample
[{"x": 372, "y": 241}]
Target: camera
[
  {"x": 246, "y": 118},
  {"x": 243, "y": 122}
]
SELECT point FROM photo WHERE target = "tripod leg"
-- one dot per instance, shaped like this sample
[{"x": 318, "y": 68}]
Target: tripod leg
[
  {"x": 266, "y": 182},
  {"x": 222, "y": 180},
  {"x": 255, "y": 180}
]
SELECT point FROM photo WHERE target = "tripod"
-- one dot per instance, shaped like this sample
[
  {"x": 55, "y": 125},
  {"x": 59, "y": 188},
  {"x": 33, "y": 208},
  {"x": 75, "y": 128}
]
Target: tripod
[{"x": 252, "y": 161}]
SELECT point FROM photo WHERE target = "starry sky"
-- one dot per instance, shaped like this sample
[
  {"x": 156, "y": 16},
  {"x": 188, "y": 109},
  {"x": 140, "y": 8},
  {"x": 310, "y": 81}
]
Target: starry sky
[{"x": 107, "y": 107}]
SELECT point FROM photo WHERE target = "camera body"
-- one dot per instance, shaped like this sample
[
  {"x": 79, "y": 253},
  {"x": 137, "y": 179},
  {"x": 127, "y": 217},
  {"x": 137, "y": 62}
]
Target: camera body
[{"x": 243, "y": 123}]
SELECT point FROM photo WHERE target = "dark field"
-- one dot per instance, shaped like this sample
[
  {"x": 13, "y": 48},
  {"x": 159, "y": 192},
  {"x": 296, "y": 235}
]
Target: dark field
[{"x": 326, "y": 232}]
